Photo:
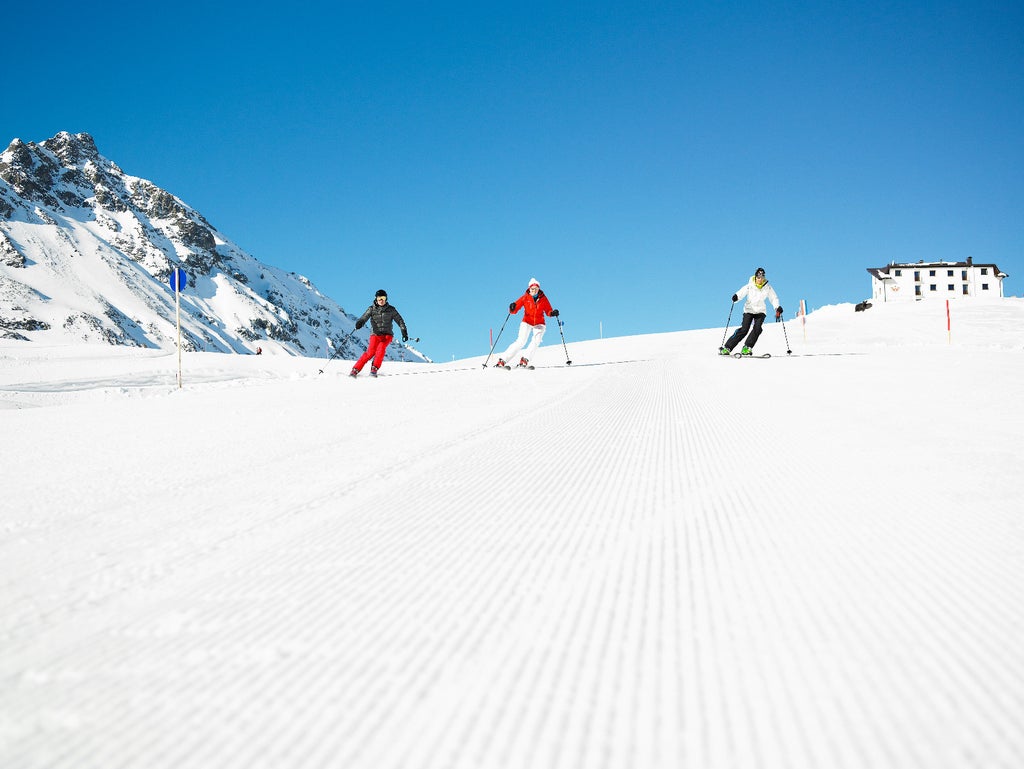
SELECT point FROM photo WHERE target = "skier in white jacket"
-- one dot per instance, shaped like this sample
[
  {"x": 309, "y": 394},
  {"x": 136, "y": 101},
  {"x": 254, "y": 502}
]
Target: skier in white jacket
[{"x": 754, "y": 311}]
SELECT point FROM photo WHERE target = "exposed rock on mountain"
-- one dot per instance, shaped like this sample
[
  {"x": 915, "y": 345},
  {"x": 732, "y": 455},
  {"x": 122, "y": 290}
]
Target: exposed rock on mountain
[{"x": 86, "y": 252}]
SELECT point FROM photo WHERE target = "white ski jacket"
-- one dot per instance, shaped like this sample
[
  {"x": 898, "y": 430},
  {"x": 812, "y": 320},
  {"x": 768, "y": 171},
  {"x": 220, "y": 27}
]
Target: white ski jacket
[{"x": 756, "y": 296}]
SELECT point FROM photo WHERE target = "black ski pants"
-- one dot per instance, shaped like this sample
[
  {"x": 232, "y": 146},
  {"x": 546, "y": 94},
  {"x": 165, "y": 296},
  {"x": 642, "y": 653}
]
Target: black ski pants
[{"x": 749, "y": 319}]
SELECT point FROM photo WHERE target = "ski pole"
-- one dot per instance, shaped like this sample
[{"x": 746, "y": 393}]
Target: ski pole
[
  {"x": 337, "y": 347},
  {"x": 567, "y": 361},
  {"x": 788, "y": 351},
  {"x": 497, "y": 338},
  {"x": 727, "y": 322}
]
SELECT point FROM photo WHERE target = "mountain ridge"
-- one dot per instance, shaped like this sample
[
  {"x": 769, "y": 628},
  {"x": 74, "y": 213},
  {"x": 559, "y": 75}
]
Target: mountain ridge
[{"x": 86, "y": 251}]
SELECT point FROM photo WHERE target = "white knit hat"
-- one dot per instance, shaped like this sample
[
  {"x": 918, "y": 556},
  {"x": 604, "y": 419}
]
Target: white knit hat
[{"x": 533, "y": 282}]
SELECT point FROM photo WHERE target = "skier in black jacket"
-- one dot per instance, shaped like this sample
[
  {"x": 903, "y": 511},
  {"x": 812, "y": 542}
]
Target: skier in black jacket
[{"x": 381, "y": 316}]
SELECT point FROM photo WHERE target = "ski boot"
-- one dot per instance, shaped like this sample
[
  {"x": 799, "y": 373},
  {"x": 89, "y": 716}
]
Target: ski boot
[
  {"x": 501, "y": 364},
  {"x": 354, "y": 373},
  {"x": 746, "y": 351},
  {"x": 724, "y": 351},
  {"x": 523, "y": 363},
  {"x": 373, "y": 371}
]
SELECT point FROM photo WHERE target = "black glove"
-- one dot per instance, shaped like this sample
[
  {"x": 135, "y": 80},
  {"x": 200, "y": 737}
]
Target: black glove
[
  {"x": 554, "y": 313},
  {"x": 778, "y": 313},
  {"x": 511, "y": 306},
  {"x": 735, "y": 298},
  {"x": 359, "y": 324},
  {"x": 405, "y": 336}
]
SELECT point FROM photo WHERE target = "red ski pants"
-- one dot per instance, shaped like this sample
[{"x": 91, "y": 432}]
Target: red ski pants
[{"x": 375, "y": 349}]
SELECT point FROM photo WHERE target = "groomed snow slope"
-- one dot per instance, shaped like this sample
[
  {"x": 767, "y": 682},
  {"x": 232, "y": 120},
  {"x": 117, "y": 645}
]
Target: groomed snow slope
[{"x": 653, "y": 557}]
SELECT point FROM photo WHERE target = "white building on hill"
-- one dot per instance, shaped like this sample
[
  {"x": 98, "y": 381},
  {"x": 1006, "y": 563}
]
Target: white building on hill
[{"x": 935, "y": 280}]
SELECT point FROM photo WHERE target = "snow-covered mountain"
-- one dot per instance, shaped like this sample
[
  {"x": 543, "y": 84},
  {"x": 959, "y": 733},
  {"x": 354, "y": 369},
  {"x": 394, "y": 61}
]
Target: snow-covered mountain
[{"x": 86, "y": 252}]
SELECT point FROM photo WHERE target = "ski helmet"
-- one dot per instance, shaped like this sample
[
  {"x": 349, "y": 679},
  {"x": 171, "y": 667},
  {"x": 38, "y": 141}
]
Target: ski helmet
[
  {"x": 759, "y": 272},
  {"x": 381, "y": 292}
]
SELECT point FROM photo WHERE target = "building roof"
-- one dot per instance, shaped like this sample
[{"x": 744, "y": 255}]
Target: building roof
[{"x": 882, "y": 272}]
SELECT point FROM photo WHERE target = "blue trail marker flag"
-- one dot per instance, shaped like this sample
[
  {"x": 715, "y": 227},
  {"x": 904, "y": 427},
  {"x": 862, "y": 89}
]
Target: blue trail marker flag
[{"x": 179, "y": 279}]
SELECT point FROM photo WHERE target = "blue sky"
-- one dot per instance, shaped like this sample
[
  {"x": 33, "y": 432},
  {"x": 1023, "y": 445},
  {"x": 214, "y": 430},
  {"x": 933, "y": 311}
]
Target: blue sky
[{"x": 640, "y": 159}]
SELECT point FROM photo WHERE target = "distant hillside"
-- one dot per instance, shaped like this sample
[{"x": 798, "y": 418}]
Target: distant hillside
[{"x": 86, "y": 251}]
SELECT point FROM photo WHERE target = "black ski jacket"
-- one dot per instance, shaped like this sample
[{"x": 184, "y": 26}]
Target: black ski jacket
[{"x": 381, "y": 318}]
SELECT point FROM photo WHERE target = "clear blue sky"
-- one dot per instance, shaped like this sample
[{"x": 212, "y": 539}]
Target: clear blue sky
[{"x": 640, "y": 158}]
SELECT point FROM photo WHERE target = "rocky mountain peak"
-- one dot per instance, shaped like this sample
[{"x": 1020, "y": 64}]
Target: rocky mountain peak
[
  {"x": 86, "y": 250},
  {"x": 73, "y": 149}
]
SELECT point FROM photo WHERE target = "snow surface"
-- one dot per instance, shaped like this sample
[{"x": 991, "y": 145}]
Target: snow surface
[{"x": 654, "y": 557}]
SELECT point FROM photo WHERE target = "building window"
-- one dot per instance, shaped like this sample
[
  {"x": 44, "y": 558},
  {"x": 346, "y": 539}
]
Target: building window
[
  {"x": 917, "y": 291},
  {"x": 984, "y": 270},
  {"x": 984, "y": 286},
  {"x": 963, "y": 275},
  {"x": 965, "y": 290},
  {"x": 899, "y": 273},
  {"x": 949, "y": 273},
  {"x": 950, "y": 287},
  {"x": 931, "y": 273},
  {"x": 932, "y": 287},
  {"x": 917, "y": 275}
]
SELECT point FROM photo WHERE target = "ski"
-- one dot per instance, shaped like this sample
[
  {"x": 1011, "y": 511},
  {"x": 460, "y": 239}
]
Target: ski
[
  {"x": 530, "y": 367},
  {"x": 741, "y": 355}
]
